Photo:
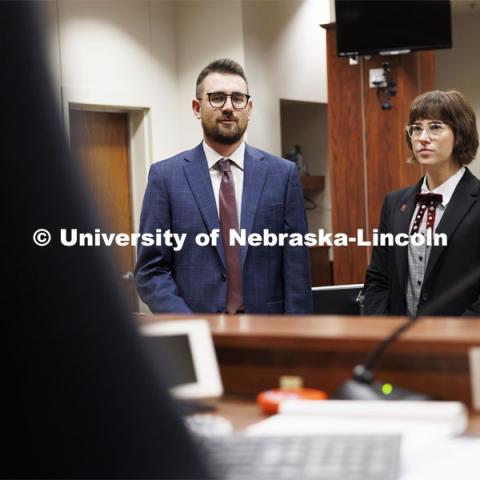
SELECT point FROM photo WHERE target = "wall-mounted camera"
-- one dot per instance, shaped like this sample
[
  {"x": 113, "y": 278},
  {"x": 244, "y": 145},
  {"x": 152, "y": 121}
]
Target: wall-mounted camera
[{"x": 382, "y": 80}]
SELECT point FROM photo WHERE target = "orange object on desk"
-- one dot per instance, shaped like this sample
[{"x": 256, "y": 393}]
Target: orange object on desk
[{"x": 270, "y": 400}]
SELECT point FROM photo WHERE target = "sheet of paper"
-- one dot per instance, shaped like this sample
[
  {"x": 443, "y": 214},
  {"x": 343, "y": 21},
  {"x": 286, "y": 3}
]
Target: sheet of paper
[{"x": 456, "y": 458}]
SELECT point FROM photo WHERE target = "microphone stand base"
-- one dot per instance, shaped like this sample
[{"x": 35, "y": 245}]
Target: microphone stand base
[{"x": 355, "y": 390}]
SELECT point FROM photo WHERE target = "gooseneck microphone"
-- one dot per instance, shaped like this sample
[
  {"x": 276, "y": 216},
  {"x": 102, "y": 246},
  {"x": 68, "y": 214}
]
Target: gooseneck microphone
[
  {"x": 362, "y": 385},
  {"x": 364, "y": 371}
]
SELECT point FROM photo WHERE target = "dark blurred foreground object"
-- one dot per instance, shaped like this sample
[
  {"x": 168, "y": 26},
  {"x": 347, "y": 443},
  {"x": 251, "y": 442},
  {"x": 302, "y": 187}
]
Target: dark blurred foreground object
[{"x": 82, "y": 400}]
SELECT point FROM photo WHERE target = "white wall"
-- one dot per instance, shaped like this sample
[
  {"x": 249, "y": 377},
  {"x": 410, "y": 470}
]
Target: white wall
[
  {"x": 149, "y": 53},
  {"x": 285, "y": 57},
  {"x": 204, "y": 31},
  {"x": 299, "y": 53},
  {"x": 259, "y": 33},
  {"x": 279, "y": 43},
  {"x": 122, "y": 53},
  {"x": 459, "y": 68}
]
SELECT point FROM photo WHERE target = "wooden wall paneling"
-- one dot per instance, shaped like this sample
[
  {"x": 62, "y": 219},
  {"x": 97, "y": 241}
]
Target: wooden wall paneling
[
  {"x": 367, "y": 147},
  {"x": 320, "y": 266},
  {"x": 346, "y": 162},
  {"x": 409, "y": 79},
  {"x": 383, "y": 136},
  {"x": 249, "y": 371},
  {"x": 426, "y": 66},
  {"x": 387, "y": 150}
]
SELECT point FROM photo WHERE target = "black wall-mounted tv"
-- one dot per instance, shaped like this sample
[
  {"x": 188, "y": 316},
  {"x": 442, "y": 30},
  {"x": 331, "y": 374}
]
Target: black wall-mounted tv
[{"x": 386, "y": 26}]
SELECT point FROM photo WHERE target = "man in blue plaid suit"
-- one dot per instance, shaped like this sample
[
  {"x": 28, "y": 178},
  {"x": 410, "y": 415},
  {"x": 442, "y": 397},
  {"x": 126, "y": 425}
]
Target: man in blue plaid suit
[{"x": 185, "y": 195}]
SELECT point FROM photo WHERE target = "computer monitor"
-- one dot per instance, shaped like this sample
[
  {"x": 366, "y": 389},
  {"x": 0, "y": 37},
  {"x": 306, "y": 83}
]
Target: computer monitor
[{"x": 184, "y": 351}]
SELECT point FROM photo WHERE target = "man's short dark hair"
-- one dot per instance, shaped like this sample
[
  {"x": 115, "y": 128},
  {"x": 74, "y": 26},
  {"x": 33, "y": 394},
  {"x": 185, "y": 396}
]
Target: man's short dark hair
[
  {"x": 222, "y": 65},
  {"x": 453, "y": 109}
]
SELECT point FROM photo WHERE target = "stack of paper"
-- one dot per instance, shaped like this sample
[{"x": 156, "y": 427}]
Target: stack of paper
[{"x": 309, "y": 416}]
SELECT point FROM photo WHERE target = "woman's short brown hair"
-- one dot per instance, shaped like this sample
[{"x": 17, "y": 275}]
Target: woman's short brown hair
[{"x": 453, "y": 109}]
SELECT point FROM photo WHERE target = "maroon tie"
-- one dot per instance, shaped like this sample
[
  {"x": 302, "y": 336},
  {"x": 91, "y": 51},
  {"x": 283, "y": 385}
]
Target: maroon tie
[
  {"x": 426, "y": 201},
  {"x": 229, "y": 221}
]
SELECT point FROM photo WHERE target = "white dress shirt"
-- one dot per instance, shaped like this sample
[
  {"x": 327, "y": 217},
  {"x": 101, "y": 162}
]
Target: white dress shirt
[
  {"x": 418, "y": 255},
  {"x": 237, "y": 164}
]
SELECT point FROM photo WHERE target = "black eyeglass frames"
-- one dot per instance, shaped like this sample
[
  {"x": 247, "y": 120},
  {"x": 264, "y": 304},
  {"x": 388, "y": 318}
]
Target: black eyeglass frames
[{"x": 218, "y": 99}]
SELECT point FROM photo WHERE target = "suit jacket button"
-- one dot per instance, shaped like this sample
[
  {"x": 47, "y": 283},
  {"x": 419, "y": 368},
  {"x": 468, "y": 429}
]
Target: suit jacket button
[
  {"x": 425, "y": 296},
  {"x": 224, "y": 276}
]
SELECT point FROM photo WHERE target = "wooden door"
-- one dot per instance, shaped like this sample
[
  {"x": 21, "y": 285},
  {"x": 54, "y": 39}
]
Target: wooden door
[{"x": 100, "y": 141}]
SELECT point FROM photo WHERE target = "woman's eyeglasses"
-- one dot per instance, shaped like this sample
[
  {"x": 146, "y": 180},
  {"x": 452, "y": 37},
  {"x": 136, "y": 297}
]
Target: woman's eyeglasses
[{"x": 433, "y": 129}]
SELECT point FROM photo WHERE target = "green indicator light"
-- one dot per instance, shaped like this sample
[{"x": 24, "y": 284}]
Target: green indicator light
[{"x": 387, "y": 388}]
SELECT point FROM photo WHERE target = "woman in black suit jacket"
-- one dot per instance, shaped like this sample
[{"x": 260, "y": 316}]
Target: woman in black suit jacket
[{"x": 432, "y": 280}]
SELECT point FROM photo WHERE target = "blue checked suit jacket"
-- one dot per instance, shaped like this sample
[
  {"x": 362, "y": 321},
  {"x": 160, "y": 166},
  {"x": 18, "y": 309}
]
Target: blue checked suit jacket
[{"x": 180, "y": 198}]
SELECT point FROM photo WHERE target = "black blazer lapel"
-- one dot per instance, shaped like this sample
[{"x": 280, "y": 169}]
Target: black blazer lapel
[
  {"x": 463, "y": 198},
  {"x": 253, "y": 180},
  {"x": 198, "y": 177},
  {"x": 403, "y": 213}
]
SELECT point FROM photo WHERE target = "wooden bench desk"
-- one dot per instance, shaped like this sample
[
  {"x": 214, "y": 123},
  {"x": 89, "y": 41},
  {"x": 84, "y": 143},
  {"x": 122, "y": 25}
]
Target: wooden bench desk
[{"x": 255, "y": 350}]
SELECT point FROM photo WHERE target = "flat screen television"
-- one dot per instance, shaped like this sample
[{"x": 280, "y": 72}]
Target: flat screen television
[{"x": 392, "y": 26}]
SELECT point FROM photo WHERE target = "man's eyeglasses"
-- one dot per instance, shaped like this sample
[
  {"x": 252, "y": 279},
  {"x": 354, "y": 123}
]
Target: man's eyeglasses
[
  {"x": 434, "y": 130},
  {"x": 218, "y": 99}
]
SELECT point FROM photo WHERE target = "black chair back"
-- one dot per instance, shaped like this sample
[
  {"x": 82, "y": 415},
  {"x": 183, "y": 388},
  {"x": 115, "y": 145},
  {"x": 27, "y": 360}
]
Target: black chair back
[{"x": 338, "y": 300}]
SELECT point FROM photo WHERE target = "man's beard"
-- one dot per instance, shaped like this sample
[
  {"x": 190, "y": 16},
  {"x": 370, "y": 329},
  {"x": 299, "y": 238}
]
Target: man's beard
[{"x": 229, "y": 137}]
